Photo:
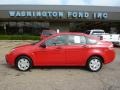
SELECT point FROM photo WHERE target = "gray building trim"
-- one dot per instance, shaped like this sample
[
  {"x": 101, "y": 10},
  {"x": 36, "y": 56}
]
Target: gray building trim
[
  {"x": 26, "y": 12},
  {"x": 60, "y": 8}
]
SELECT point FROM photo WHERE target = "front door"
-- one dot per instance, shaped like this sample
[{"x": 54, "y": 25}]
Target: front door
[{"x": 54, "y": 54}]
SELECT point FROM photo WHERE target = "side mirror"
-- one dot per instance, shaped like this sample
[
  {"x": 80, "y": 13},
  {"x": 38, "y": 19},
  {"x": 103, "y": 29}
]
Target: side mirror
[{"x": 43, "y": 45}]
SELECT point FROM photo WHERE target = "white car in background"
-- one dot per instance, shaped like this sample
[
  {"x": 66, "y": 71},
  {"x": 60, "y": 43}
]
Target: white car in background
[{"x": 114, "y": 38}]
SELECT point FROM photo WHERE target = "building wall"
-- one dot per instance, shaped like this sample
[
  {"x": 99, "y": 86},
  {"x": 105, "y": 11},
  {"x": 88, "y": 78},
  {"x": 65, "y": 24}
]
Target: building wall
[
  {"x": 64, "y": 12},
  {"x": 35, "y": 18}
]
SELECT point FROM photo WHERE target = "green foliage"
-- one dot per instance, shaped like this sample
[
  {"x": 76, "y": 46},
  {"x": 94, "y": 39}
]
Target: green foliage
[{"x": 19, "y": 37}]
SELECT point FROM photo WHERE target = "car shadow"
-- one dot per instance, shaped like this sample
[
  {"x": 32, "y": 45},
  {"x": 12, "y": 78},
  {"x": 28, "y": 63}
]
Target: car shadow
[{"x": 47, "y": 68}]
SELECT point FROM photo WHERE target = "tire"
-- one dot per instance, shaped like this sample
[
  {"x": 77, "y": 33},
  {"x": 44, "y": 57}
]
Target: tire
[
  {"x": 94, "y": 63},
  {"x": 23, "y": 63}
]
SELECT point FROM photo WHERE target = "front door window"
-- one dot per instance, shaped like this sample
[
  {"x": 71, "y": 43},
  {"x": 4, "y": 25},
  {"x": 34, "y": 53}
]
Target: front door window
[{"x": 56, "y": 41}]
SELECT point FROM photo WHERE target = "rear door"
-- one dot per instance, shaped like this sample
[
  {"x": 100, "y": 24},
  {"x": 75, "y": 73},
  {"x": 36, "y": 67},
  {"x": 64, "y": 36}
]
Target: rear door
[{"x": 77, "y": 49}]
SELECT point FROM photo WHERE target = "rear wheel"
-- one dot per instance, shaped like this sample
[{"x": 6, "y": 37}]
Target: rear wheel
[
  {"x": 94, "y": 63},
  {"x": 23, "y": 63}
]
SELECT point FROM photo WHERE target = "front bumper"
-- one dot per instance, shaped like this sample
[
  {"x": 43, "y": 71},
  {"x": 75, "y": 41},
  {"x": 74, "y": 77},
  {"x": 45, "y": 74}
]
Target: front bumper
[{"x": 10, "y": 59}]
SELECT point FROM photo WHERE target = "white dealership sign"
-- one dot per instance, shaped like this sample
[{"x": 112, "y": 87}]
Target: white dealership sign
[{"x": 59, "y": 14}]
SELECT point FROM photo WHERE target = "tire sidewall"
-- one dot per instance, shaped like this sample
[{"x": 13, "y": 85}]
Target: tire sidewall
[
  {"x": 88, "y": 63},
  {"x": 26, "y": 57}
]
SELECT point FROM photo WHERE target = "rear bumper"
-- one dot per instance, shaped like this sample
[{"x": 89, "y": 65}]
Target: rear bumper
[{"x": 109, "y": 56}]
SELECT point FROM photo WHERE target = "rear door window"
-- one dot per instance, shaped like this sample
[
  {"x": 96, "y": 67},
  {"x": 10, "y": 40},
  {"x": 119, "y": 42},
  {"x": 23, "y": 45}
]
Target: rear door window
[
  {"x": 58, "y": 40},
  {"x": 76, "y": 39}
]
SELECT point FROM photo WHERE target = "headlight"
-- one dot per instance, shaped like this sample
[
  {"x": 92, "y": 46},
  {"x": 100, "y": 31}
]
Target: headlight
[{"x": 12, "y": 49}]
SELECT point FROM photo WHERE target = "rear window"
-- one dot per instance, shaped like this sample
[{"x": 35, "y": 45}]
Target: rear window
[
  {"x": 91, "y": 41},
  {"x": 98, "y": 32}
]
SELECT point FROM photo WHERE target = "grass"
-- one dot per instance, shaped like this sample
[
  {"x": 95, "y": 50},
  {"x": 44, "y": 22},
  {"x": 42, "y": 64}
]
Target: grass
[{"x": 19, "y": 37}]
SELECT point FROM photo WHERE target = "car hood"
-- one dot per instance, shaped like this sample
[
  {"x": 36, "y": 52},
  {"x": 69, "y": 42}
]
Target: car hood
[
  {"x": 26, "y": 47},
  {"x": 23, "y": 46}
]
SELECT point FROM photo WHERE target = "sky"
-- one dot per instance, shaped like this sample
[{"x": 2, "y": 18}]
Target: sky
[{"x": 64, "y": 2}]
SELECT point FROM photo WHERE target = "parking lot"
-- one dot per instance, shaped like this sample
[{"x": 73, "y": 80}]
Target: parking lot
[{"x": 57, "y": 78}]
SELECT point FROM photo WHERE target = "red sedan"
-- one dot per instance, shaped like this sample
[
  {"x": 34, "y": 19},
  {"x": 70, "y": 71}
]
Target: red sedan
[{"x": 63, "y": 49}]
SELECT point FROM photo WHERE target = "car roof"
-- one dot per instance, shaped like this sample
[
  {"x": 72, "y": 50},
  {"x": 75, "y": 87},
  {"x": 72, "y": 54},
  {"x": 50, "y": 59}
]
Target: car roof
[
  {"x": 76, "y": 33},
  {"x": 70, "y": 33}
]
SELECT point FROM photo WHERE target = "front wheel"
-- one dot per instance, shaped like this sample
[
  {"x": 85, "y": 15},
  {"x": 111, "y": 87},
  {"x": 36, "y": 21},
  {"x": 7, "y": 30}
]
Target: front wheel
[
  {"x": 94, "y": 64},
  {"x": 23, "y": 63}
]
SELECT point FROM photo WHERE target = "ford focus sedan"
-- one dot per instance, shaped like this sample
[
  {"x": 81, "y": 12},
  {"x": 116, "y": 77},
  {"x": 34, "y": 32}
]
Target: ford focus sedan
[{"x": 63, "y": 49}]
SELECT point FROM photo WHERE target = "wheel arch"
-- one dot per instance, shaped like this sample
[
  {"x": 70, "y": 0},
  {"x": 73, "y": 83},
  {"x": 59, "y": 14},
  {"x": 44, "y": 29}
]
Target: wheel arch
[
  {"x": 26, "y": 56},
  {"x": 100, "y": 56}
]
